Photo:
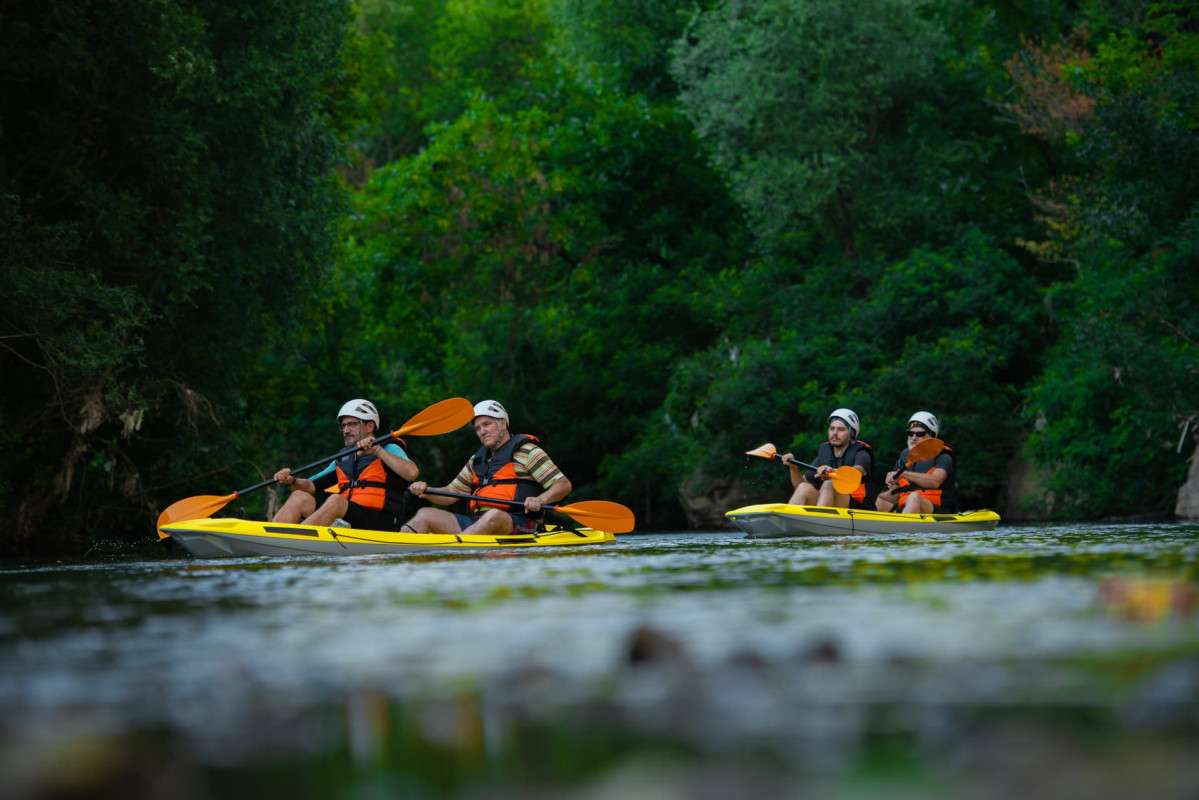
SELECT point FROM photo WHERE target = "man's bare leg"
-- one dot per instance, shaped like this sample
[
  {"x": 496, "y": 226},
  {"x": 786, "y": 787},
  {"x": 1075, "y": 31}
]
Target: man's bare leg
[
  {"x": 330, "y": 510},
  {"x": 432, "y": 520},
  {"x": 298, "y": 506}
]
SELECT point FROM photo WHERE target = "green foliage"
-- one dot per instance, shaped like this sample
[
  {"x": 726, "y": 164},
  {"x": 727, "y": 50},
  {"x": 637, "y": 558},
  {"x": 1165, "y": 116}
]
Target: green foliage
[
  {"x": 388, "y": 70},
  {"x": 661, "y": 233},
  {"x": 418, "y": 63},
  {"x": 1121, "y": 378},
  {"x": 523, "y": 255},
  {"x": 166, "y": 194},
  {"x": 941, "y": 331},
  {"x": 796, "y": 99},
  {"x": 865, "y": 147},
  {"x": 1120, "y": 381},
  {"x": 482, "y": 49},
  {"x": 624, "y": 42}
]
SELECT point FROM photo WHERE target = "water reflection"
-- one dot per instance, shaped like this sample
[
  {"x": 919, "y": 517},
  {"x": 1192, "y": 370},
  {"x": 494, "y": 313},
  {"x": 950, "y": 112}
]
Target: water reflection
[
  {"x": 784, "y": 662},
  {"x": 1147, "y": 601}
]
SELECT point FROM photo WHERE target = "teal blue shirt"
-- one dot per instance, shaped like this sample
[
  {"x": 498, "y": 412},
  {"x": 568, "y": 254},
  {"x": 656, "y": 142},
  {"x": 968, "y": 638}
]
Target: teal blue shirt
[{"x": 390, "y": 447}]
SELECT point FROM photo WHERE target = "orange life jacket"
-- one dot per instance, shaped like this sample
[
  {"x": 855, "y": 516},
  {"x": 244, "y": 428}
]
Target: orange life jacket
[
  {"x": 824, "y": 455},
  {"x": 363, "y": 479},
  {"x": 494, "y": 475},
  {"x": 934, "y": 496}
]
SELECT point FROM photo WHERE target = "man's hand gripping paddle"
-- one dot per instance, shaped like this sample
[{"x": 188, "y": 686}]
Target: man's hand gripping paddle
[
  {"x": 926, "y": 450},
  {"x": 443, "y": 417},
  {"x": 845, "y": 480},
  {"x": 601, "y": 515}
]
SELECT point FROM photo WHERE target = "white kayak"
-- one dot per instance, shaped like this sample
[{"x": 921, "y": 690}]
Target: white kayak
[{"x": 774, "y": 520}]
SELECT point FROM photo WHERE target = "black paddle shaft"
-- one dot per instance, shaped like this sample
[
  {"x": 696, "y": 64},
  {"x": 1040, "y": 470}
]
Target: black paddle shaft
[
  {"x": 904, "y": 469},
  {"x": 481, "y": 499},
  {"x": 793, "y": 461},
  {"x": 384, "y": 439}
]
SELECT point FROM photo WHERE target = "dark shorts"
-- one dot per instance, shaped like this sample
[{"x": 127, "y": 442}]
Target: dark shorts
[
  {"x": 366, "y": 519},
  {"x": 520, "y": 522},
  {"x": 370, "y": 519}
]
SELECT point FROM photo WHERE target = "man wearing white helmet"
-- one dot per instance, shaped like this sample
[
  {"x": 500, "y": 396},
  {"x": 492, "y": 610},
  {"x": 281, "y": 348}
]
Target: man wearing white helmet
[
  {"x": 505, "y": 467},
  {"x": 926, "y": 486},
  {"x": 814, "y": 487},
  {"x": 370, "y": 482}
]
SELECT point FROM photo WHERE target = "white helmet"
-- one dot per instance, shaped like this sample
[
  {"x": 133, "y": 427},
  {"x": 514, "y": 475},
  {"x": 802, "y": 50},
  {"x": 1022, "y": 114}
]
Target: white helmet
[
  {"x": 927, "y": 420},
  {"x": 848, "y": 417},
  {"x": 361, "y": 409},
  {"x": 491, "y": 408}
]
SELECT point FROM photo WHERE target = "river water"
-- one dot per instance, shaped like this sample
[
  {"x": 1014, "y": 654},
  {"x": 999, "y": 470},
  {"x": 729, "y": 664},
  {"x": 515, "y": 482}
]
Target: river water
[{"x": 1045, "y": 661}]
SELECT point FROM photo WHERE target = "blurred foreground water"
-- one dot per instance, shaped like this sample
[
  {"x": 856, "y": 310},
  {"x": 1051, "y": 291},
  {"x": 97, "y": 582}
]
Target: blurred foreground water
[{"x": 1028, "y": 661}]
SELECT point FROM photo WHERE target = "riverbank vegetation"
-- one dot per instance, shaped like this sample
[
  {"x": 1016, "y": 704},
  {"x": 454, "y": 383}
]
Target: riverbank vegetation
[{"x": 660, "y": 232}]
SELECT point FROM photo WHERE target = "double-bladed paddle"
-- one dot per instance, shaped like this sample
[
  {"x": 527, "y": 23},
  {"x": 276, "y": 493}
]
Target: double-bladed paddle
[
  {"x": 438, "y": 418},
  {"x": 922, "y": 451},
  {"x": 846, "y": 480},
  {"x": 599, "y": 514}
]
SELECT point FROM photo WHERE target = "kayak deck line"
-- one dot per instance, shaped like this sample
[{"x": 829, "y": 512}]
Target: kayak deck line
[{"x": 776, "y": 520}]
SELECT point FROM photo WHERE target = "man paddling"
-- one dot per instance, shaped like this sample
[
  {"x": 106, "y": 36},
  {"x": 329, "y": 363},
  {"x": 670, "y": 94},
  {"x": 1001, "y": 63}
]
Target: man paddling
[
  {"x": 370, "y": 482},
  {"x": 505, "y": 467},
  {"x": 926, "y": 486},
  {"x": 815, "y": 488}
]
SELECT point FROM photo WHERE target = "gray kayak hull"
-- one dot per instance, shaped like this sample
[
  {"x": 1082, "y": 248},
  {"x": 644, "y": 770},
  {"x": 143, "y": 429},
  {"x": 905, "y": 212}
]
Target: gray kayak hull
[{"x": 776, "y": 520}]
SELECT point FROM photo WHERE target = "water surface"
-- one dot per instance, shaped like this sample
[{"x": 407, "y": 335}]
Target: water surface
[{"x": 676, "y": 663}]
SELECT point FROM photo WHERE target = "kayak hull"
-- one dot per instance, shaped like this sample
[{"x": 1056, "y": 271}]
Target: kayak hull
[
  {"x": 777, "y": 520},
  {"x": 231, "y": 538}
]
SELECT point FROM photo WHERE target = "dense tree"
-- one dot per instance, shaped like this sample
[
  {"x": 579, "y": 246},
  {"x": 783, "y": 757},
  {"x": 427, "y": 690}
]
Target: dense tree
[
  {"x": 166, "y": 197},
  {"x": 797, "y": 99},
  {"x": 943, "y": 330},
  {"x": 1122, "y": 379},
  {"x": 389, "y": 70},
  {"x": 625, "y": 43},
  {"x": 545, "y": 258},
  {"x": 661, "y": 232},
  {"x": 483, "y": 48}
]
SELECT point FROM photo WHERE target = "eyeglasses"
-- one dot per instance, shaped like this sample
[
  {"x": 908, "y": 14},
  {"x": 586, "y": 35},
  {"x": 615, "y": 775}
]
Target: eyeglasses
[
  {"x": 917, "y": 433},
  {"x": 341, "y": 426}
]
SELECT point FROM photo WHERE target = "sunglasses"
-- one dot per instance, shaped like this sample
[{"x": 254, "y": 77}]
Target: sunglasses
[{"x": 917, "y": 433}]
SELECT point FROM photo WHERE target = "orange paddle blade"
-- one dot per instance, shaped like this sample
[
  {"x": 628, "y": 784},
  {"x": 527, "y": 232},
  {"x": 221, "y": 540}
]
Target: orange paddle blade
[
  {"x": 846, "y": 480},
  {"x": 925, "y": 450},
  {"x": 439, "y": 418},
  {"x": 765, "y": 451},
  {"x": 198, "y": 507},
  {"x": 601, "y": 515}
]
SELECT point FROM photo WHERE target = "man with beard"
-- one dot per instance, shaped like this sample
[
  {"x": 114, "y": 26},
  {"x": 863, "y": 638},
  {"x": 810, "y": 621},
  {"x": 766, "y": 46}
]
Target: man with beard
[
  {"x": 814, "y": 487},
  {"x": 371, "y": 483}
]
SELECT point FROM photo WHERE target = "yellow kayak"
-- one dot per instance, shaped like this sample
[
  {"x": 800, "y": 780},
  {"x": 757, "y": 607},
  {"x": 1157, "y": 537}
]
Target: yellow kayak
[
  {"x": 774, "y": 520},
  {"x": 222, "y": 538}
]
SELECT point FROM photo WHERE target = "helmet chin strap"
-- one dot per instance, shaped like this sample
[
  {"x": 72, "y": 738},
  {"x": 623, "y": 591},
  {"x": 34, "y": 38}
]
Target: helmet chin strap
[{"x": 503, "y": 437}]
